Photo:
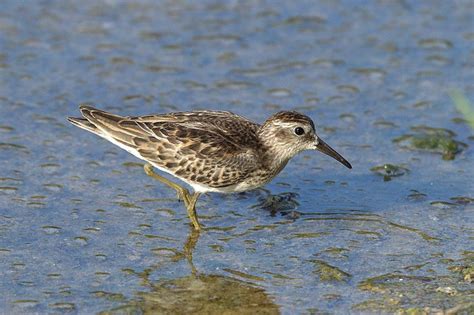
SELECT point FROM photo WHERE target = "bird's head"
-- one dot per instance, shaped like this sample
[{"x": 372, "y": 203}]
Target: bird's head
[{"x": 289, "y": 133}]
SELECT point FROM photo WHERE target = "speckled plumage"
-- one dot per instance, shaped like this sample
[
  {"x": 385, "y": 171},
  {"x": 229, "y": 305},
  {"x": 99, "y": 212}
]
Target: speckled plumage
[{"x": 210, "y": 150}]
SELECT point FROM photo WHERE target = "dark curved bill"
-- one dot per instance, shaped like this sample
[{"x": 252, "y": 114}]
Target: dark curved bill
[{"x": 326, "y": 149}]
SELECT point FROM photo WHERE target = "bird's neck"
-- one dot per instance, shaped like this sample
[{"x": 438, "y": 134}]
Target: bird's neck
[
  {"x": 274, "y": 158},
  {"x": 275, "y": 154}
]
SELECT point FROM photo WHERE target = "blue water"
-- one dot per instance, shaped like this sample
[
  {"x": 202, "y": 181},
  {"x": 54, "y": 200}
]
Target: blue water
[{"x": 84, "y": 230}]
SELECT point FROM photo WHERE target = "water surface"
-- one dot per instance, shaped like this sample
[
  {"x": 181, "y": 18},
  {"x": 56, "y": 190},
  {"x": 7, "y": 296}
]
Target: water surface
[{"x": 84, "y": 230}]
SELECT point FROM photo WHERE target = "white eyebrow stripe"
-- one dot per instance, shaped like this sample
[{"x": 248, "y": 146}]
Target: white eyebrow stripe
[
  {"x": 287, "y": 124},
  {"x": 294, "y": 124}
]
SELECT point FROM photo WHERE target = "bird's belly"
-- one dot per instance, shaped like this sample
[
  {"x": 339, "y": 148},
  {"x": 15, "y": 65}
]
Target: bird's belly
[
  {"x": 251, "y": 182},
  {"x": 243, "y": 186}
]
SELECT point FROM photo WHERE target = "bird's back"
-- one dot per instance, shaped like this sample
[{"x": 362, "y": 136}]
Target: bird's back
[{"x": 232, "y": 127}]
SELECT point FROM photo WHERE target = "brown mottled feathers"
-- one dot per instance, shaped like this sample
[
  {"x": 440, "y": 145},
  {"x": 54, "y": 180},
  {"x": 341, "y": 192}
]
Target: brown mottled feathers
[{"x": 204, "y": 147}]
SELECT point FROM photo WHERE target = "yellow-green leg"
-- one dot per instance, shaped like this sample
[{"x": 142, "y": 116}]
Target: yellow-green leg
[
  {"x": 191, "y": 207},
  {"x": 183, "y": 193}
]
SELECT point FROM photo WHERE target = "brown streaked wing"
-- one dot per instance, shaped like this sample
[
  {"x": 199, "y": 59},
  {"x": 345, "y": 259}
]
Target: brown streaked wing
[
  {"x": 204, "y": 156},
  {"x": 235, "y": 127}
]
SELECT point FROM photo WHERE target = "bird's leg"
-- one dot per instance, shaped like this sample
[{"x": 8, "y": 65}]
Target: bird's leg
[
  {"x": 183, "y": 193},
  {"x": 191, "y": 207}
]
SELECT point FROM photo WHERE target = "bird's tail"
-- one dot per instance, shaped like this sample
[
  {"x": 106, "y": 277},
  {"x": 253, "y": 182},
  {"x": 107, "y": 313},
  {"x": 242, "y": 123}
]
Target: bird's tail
[
  {"x": 92, "y": 123},
  {"x": 84, "y": 124}
]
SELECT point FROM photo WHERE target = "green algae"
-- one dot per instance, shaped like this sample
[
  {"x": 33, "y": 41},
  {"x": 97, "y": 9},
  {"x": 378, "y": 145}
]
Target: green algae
[
  {"x": 26, "y": 302},
  {"x": 369, "y": 233},
  {"x": 334, "y": 253},
  {"x": 413, "y": 311},
  {"x": 133, "y": 164},
  {"x": 63, "y": 306},
  {"x": 243, "y": 275},
  {"x": 435, "y": 43},
  {"x": 389, "y": 171},
  {"x": 128, "y": 205},
  {"x": 173, "y": 253},
  {"x": 92, "y": 230},
  {"x": 458, "y": 201},
  {"x": 447, "y": 146},
  {"x": 5, "y": 128},
  {"x": 387, "y": 282},
  {"x": 415, "y": 195},
  {"x": 278, "y": 276},
  {"x": 335, "y": 250},
  {"x": 14, "y": 147},
  {"x": 300, "y": 19},
  {"x": 308, "y": 235},
  {"x": 327, "y": 272},
  {"x": 466, "y": 271},
  {"x": 81, "y": 240},
  {"x": 217, "y": 248},
  {"x": 375, "y": 73},
  {"x": 434, "y": 140},
  {"x": 416, "y": 294},
  {"x": 443, "y": 204},
  {"x": 8, "y": 188},
  {"x": 377, "y": 304},
  {"x": 422, "y": 234},
  {"x": 462, "y": 200},
  {"x": 384, "y": 124},
  {"x": 115, "y": 297},
  {"x": 161, "y": 237}
]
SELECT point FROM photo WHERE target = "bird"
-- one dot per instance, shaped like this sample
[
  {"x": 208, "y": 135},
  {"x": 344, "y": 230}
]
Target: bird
[{"x": 211, "y": 151}]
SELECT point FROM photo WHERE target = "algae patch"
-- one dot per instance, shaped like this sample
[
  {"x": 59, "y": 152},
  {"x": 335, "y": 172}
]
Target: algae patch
[
  {"x": 465, "y": 267},
  {"x": 415, "y": 294},
  {"x": 389, "y": 171},
  {"x": 327, "y": 272},
  {"x": 429, "y": 139},
  {"x": 389, "y": 282}
]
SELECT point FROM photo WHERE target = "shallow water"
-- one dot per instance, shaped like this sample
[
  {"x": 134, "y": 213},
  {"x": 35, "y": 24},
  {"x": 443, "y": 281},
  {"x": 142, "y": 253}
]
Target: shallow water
[{"x": 84, "y": 230}]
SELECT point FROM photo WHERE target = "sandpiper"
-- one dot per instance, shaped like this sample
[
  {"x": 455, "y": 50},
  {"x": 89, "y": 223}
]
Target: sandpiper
[{"x": 212, "y": 151}]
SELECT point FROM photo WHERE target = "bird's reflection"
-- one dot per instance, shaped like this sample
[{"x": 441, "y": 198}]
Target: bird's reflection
[
  {"x": 196, "y": 293},
  {"x": 188, "y": 248}
]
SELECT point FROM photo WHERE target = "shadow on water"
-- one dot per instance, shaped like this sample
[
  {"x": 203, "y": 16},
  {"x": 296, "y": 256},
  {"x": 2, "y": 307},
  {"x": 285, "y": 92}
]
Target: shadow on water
[
  {"x": 196, "y": 293},
  {"x": 285, "y": 205}
]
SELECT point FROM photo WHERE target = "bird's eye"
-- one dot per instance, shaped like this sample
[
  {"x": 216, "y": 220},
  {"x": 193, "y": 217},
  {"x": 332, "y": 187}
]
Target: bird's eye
[{"x": 299, "y": 131}]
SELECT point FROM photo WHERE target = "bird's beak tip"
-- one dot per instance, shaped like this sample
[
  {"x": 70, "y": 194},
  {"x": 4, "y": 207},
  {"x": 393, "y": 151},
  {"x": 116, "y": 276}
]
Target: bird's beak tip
[{"x": 326, "y": 149}]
